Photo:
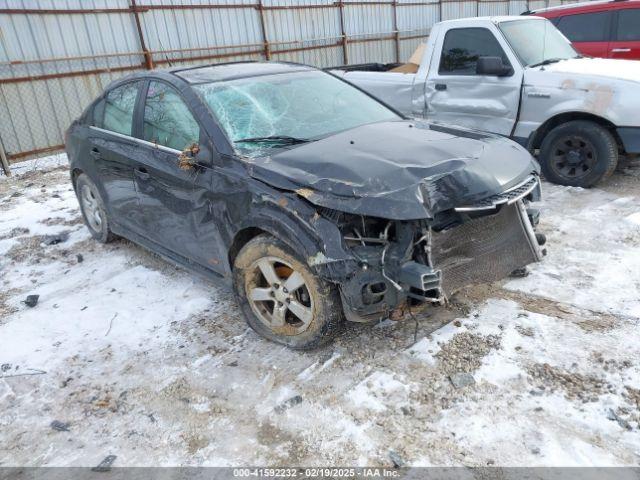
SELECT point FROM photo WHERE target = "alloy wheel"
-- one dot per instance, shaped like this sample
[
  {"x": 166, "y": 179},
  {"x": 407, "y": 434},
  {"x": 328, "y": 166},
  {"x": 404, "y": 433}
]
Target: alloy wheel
[
  {"x": 91, "y": 207},
  {"x": 279, "y": 296}
]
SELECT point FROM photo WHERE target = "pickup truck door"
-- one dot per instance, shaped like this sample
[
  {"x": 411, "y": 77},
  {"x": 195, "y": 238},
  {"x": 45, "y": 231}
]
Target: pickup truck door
[{"x": 457, "y": 95}]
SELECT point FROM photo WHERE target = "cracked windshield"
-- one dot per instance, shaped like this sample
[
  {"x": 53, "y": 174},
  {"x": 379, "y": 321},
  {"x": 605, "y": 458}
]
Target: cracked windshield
[{"x": 262, "y": 114}]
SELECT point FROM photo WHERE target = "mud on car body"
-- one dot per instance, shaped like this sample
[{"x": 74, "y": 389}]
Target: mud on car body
[{"x": 314, "y": 200}]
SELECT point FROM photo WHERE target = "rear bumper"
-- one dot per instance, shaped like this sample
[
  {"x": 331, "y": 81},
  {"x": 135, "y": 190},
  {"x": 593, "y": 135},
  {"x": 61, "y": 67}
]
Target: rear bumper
[{"x": 630, "y": 137}]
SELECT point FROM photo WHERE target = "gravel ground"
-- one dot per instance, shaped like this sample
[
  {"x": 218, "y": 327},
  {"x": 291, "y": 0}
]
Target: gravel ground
[{"x": 129, "y": 356}]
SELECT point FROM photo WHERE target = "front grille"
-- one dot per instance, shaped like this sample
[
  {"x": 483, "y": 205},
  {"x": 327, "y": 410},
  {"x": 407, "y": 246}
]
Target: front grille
[
  {"x": 485, "y": 249},
  {"x": 510, "y": 196}
]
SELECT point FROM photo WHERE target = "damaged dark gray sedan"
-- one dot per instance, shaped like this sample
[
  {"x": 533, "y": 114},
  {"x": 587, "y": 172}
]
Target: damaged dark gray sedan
[{"x": 314, "y": 200}]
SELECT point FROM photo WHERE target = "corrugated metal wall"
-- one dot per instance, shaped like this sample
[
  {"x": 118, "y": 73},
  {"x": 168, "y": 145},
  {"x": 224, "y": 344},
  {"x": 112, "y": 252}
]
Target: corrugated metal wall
[{"x": 56, "y": 55}]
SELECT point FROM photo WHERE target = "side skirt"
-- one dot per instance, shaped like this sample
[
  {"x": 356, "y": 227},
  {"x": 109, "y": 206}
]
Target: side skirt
[{"x": 172, "y": 257}]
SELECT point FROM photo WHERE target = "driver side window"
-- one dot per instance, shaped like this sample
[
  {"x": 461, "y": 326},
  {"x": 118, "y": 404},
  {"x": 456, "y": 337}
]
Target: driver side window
[
  {"x": 463, "y": 46},
  {"x": 167, "y": 119}
]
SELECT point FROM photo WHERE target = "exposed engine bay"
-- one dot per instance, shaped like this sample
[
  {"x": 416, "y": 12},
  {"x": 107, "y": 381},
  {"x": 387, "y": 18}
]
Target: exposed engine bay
[{"x": 403, "y": 264}]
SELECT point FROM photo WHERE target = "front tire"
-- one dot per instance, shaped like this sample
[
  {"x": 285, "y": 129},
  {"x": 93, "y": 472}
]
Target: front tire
[
  {"x": 282, "y": 299},
  {"x": 93, "y": 211},
  {"x": 578, "y": 154}
]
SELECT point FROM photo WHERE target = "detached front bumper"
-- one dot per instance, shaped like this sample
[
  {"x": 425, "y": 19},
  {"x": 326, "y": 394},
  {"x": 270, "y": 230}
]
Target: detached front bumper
[{"x": 417, "y": 267}]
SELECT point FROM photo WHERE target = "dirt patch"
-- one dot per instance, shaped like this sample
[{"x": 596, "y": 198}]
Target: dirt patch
[
  {"x": 15, "y": 232},
  {"x": 575, "y": 386},
  {"x": 53, "y": 221},
  {"x": 465, "y": 351},
  {"x": 588, "y": 320},
  {"x": 5, "y": 308}
]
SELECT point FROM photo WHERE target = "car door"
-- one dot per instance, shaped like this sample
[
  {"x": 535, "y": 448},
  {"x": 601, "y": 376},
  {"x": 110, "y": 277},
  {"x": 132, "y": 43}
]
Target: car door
[
  {"x": 174, "y": 201},
  {"x": 625, "y": 40},
  {"x": 456, "y": 94},
  {"x": 588, "y": 32},
  {"x": 112, "y": 147}
]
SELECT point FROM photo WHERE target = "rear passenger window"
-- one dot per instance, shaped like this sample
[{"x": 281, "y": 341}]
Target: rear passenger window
[
  {"x": 97, "y": 114},
  {"x": 587, "y": 27},
  {"x": 463, "y": 46},
  {"x": 628, "y": 25},
  {"x": 167, "y": 119},
  {"x": 118, "y": 108}
]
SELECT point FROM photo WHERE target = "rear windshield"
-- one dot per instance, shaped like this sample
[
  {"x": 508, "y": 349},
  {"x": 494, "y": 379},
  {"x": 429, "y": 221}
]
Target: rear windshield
[{"x": 302, "y": 106}]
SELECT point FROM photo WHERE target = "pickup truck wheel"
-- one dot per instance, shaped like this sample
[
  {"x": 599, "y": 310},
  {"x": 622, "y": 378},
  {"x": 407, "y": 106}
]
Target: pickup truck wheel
[
  {"x": 282, "y": 299},
  {"x": 578, "y": 153},
  {"x": 92, "y": 207}
]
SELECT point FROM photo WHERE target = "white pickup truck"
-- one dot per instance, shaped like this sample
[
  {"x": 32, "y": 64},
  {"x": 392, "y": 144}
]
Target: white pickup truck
[{"x": 521, "y": 78}]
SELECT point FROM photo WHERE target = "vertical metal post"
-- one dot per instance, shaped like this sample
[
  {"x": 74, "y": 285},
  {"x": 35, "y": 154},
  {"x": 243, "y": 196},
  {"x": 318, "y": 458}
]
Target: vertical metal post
[
  {"x": 395, "y": 30},
  {"x": 439, "y": 10},
  {"x": 148, "y": 60},
  {"x": 263, "y": 26},
  {"x": 345, "y": 49},
  {"x": 4, "y": 161}
]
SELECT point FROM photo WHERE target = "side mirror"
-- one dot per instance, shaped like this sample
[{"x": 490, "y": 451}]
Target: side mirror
[
  {"x": 492, "y": 66},
  {"x": 187, "y": 158}
]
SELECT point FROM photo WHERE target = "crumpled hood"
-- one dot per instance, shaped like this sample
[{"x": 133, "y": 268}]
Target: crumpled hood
[
  {"x": 613, "y": 69},
  {"x": 399, "y": 169}
]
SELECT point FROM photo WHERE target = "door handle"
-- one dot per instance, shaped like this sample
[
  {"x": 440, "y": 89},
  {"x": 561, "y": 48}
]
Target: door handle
[
  {"x": 141, "y": 173},
  {"x": 441, "y": 86},
  {"x": 95, "y": 153},
  {"x": 620, "y": 50}
]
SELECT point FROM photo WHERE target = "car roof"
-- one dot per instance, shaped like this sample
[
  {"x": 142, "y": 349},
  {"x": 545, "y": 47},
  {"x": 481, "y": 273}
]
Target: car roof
[
  {"x": 585, "y": 6},
  {"x": 493, "y": 19},
  {"x": 231, "y": 71}
]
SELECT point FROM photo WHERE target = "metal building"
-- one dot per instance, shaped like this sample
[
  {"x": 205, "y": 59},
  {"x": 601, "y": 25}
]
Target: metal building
[{"x": 57, "y": 55}]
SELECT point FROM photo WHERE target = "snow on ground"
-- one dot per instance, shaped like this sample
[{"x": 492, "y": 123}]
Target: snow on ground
[{"x": 152, "y": 364}]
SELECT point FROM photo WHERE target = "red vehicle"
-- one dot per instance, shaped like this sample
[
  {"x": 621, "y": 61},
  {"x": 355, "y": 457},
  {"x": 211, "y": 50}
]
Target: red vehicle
[{"x": 607, "y": 29}]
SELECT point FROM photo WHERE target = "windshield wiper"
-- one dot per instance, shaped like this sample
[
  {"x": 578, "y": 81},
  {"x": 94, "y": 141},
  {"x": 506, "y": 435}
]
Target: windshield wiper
[
  {"x": 547, "y": 62},
  {"x": 279, "y": 139}
]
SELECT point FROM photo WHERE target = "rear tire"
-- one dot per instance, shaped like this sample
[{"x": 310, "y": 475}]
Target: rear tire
[
  {"x": 282, "y": 299},
  {"x": 578, "y": 153},
  {"x": 93, "y": 211}
]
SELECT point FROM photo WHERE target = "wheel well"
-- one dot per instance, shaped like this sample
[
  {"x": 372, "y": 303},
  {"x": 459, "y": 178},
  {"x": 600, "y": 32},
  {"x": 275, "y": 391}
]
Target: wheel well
[
  {"x": 243, "y": 237},
  {"x": 75, "y": 173},
  {"x": 553, "y": 122}
]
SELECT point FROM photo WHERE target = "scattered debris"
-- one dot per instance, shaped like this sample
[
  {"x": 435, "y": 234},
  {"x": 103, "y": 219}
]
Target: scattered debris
[
  {"x": 520, "y": 272},
  {"x": 5, "y": 367},
  {"x": 465, "y": 352},
  {"x": 55, "y": 239},
  {"x": 292, "y": 402},
  {"x": 31, "y": 300},
  {"x": 105, "y": 465},
  {"x": 60, "y": 426},
  {"x": 525, "y": 331},
  {"x": 398, "y": 461},
  {"x": 111, "y": 324},
  {"x": 613, "y": 416},
  {"x": 31, "y": 371},
  {"x": 575, "y": 385},
  {"x": 461, "y": 380}
]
